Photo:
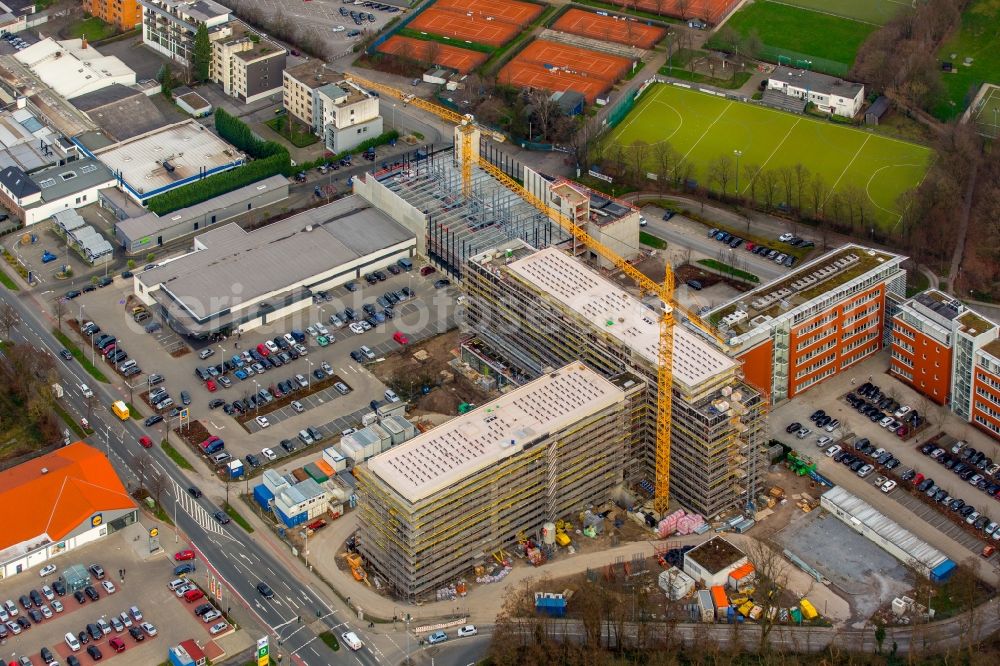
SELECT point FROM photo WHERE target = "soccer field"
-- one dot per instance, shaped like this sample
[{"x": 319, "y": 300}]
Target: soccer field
[
  {"x": 702, "y": 127},
  {"x": 870, "y": 11}
]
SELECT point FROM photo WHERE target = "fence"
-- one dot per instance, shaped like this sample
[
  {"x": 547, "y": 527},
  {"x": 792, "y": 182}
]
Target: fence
[{"x": 803, "y": 61}]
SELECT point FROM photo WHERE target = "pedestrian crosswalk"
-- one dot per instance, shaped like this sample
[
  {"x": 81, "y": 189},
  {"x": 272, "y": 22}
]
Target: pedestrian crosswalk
[{"x": 190, "y": 506}]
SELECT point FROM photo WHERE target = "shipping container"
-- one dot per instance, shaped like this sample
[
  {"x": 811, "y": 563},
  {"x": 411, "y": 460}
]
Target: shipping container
[
  {"x": 742, "y": 577},
  {"x": 263, "y": 496},
  {"x": 291, "y": 521},
  {"x": 706, "y": 607},
  {"x": 335, "y": 459},
  {"x": 325, "y": 467},
  {"x": 300, "y": 474},
  {"x": 675, "y": 583},
  {"x": 720, "y": 600},
  {"x": 274, "y": 482},
  {"x": 315, "y": 473}
]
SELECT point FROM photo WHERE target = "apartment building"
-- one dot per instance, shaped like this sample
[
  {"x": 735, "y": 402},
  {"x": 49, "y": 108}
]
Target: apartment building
[
  {"x": 247, "y": 65},
  {"x": 169, "y": 26},
  {"x": 435, "y": 507},
  {"x": 299, "y": 85},
  {"x": 347, "y": 114},
  {"x": 819, "y": 320},
  {"x": 126, "y": 14},
  {"x": 538, "y": 309}
]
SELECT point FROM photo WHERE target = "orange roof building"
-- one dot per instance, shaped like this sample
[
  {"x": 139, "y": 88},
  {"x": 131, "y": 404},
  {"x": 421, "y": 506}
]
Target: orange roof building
[{"x": 58, "y": 502}]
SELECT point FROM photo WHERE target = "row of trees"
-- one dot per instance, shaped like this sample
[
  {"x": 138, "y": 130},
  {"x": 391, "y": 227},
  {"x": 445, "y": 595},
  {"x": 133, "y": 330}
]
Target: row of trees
[{"x": 26, "y": 378}]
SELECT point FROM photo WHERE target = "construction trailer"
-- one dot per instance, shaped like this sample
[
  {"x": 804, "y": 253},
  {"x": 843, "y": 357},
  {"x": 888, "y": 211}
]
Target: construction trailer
[{"x": 436, "y": 507}]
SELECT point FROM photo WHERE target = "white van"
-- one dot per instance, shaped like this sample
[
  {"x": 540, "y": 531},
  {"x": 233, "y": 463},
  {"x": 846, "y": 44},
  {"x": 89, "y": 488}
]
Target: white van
[
  {"x": 352, "y": 641},
  {"x": 85, "y": 390},
  {"x": 175, "y": 583},
  {"x": 72, "y": 642}
]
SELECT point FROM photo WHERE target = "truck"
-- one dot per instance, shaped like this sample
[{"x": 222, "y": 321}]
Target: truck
[
  {"x": 57, "y": 390},
  {"x": 121, "y": 410}
]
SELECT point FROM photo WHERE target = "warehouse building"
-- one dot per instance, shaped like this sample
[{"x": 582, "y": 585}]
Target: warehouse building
[
  {"x": 75, "y": 498},
  {"x": 816, "y": 322},
  {"x": 142, "y": 234},
  {"x": 887, "y": 534},
  {"x": 72, "y": 67},
  {"x": 711, "y": 563},
  {"x": 442, "y": 503},
  {"x": 38, "y": 197},
  {"x": 235, "y": 280},
  {"x": 541, "y": 309}
]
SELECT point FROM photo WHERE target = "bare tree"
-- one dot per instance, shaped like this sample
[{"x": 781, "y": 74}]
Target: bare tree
[
  {"x": 9, "y": 319},
  {"x": 720, "y": 172},
  {"x": 786, "y": 176},
  {"x": 617, "y": 157},
  {"x": 665, "y": 159},
  {"x": 819, "y": 192},
  {"x": 158, "y": 483},
  {"x": 639, "y": 151},
  {"x": 801, "y": 179},
  {"x": 682, "y": 7},
  {"x": 769, "y": 187},
  {"x": 140, "y": 464},
  {"x": 750, "y": 174},
  {"x": 771, "y": 577}
]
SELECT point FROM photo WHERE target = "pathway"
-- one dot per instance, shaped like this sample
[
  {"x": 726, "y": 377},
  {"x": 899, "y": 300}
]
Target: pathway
[{"x": 963, "y": 228}]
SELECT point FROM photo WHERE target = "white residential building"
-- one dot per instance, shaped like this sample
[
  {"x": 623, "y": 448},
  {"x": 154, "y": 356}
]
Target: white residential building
[
  {"x": 347, "y": 114},
  {"x": 828, "y": 93}
]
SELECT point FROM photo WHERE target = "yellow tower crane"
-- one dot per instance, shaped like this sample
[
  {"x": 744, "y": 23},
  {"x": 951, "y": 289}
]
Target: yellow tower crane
[{"x": 467, "y": 133}]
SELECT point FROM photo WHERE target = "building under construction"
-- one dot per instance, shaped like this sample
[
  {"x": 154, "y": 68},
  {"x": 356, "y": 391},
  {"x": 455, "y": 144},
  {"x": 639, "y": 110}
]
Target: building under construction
[
  {"x": 437, "y": 506},
  {"x": 541, "y": 309}
]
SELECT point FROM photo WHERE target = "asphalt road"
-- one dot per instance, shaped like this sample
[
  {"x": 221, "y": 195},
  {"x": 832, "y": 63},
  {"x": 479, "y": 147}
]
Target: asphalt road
[{"x": 232, "y": 554}]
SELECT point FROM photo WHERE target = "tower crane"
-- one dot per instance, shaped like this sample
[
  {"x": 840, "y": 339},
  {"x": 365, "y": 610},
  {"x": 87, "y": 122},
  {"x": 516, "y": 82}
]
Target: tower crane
[{"x": 467, "y": 132}]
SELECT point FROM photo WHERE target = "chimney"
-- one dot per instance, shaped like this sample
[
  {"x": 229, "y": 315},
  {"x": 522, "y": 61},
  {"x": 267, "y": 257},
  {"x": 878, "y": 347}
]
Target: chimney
[{"x": 83, "y": 43}]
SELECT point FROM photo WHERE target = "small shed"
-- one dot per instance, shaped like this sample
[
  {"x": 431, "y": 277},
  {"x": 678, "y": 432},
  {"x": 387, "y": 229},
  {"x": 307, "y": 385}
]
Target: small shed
[
  {"x": 876, "y": 110},
  {"x": 675, "y": 583},
  {"x": 76, "y": 577},
  {"x": 191, "y": 102}
]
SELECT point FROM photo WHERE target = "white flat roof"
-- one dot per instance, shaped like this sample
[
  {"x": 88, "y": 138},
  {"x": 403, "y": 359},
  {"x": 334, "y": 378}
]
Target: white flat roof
[
  {"x": 469, "y": 443},
  {"x": 613, "y": 310},
  {"x": 71, "y": 69},
  {"x": 188, "y": 146}
]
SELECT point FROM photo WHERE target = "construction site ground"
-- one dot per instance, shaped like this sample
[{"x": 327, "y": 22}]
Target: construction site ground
[{"x": 428, "y": 363}]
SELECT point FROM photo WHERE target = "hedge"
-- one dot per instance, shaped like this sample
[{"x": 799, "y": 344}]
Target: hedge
[
  {"x": 236, "y": 132},
  {"x": 379, "y": 140}
]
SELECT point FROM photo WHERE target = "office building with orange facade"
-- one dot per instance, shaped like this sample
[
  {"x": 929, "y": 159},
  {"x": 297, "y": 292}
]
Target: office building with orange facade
[
  {"x": 818, "y": 321},
  {"x": 126, "y": 14}
]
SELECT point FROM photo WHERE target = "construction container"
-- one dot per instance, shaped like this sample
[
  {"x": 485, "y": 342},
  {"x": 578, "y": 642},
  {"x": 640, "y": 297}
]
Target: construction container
[
  {"x": 325, "y": 467},
  {"x": 300, "y": 475},
  {"x": 406, "y": 432},
  {"x": 263, "y": 496},
  {"x": 335, "y": 459},
  {"x": 808, "y": 611},
  {"x": 721, "y": 601},
  {"x": 741, "y": 578},
  {"x": 384, "y": 438},
  {"x": 553, "y": 605},
  {"x": 675, "y": 583},
  {"x": 706, "y": 608},
  {"x": 549, "y": 534},
  {"x": 291, "y": 521},
  {"x": 274, "y": 482},
  {"x": 353, "y": 448},
  {"x": 315, "y": 473}
]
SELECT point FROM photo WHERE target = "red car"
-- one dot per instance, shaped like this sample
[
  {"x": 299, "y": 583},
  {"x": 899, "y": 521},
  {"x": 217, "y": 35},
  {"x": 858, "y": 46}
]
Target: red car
[
  {"x": 400, "y": 338},
  {"x": 184, "y": 555},
  {"x": 208, "y": 442},
  {"x": 263, "y": 350},
  {"x": 210, "y": 385},
  {"x": 146, "y": 442},
  {"x": 117, "y": 644}
]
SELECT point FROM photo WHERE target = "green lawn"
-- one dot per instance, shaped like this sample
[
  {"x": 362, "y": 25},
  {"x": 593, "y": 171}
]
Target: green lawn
[
  {"x": 79, "y": 355},
  {"x": 175, "y": 455},
  {"x": 292, "y": 129},
  {"x": 979, "y": 39},
  {"x": 831, "y": 43},
  {"x": 94, "y": 28},
  {"x": 702, "y": 127},
  {"x": 870, "y": 11}
]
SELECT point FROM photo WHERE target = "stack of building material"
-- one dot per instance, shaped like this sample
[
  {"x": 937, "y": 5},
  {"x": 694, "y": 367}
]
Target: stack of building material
[
  {"x": 668, "y": 525},
  {"x": 687, "y": 524}
]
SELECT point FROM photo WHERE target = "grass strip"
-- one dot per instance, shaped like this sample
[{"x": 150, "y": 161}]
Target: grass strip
[
  {"x": 652, "y": 241},
  {"x": 79, "y": 356},
  {"x": 175, "y": 455},
  {"x": 431, "y": 37},
  {"x": 729, "y": 270},
  {"x": 330, "y": 640},
  {"x": 133, "y": 412},
  {"x": 7, "y": 282},
  {"x": 69, "y": 420},
  {"x": 684, "y": 75},
  {"x": 235, "y": 515}
]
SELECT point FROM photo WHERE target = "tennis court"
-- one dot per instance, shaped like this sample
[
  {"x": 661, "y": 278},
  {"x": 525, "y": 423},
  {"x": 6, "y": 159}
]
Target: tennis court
[
  {"x": 522, "y": 74},
  {"x": 574, "y": 59},
  {"x": 869, "y": 11},
  {"x": 508, "y": 11},
  {"x": 702, "y": 127},
  {"x": 609, "y": 28},
  {"x": 712, "y": 11},
  {"x": 461, "y": 60},
  {"x": 463, "y": 27}
]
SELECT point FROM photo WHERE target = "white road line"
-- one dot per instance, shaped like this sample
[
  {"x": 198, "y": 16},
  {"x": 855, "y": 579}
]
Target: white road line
[
  {"x": 705, "y": 133},
  {"x": 773, "y": 152},
  {"x": 860, "y": 148}
]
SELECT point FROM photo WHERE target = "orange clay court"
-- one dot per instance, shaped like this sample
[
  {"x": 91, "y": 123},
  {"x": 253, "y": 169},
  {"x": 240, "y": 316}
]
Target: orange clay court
[
  {"x": 712, "y": 11},
  {"x": 530, "y": 75},
  {"x": 589, "y": 24},
  {"x": 461, "y": 60},
  {"x": 508, "y": 11},
  {"x": 462, "y": 27},
  {"x": 557, "y": 67}
]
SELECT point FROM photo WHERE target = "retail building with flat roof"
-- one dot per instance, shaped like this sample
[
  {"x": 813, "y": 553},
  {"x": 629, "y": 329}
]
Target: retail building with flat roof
[
  {"x": 437, "y": 506},
  {"x": 166, "y": 158},
  {"x": 237, "y": 280}
]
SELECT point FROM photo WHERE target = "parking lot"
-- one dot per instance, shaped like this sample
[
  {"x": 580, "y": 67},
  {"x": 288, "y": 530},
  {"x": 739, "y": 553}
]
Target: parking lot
[
  {"x": 324, "y": 17},
  {"x": 143, "y": 585},
  {"x": 931, "y": 521},
  {"x": 431, "y": 311}
]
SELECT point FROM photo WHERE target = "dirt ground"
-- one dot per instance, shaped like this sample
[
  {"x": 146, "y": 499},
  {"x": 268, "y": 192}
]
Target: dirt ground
[
  {"x": 778, "y": 475},
  {"x": 407, "y": 370}
]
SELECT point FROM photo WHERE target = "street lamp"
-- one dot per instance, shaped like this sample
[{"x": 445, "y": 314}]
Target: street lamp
[
  {"x": 739, "y": 154},
  {"x": 393, "y": 116},
  {"x": 309, "y": 376},
  {"x": 256, "y": 402}
]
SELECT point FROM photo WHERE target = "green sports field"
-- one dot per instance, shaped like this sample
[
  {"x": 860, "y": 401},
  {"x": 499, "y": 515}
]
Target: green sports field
[
  {"x": 830, "y": 42},
  {"x": 702, "y": 127},
  {"x": 978, "y": 39},
  {"x": 869, "y": 11}
]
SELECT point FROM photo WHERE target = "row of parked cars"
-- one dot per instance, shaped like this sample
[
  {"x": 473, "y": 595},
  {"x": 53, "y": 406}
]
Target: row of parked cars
[
  {"x": 734, "y": 242},
  {"x": 869, "y": 401},
  {"x": 110, "y": 349},
  {"x": 130, "y": 621}
]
